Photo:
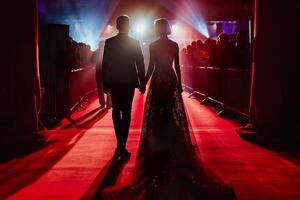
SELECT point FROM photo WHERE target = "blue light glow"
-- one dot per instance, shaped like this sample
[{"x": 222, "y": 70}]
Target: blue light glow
[
  {"x": 189, "y": 12},
  {"x": 87, "y": 19}
]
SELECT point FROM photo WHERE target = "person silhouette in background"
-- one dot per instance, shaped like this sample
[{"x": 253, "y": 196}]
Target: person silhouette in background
[
  {"x": 123, "y": 70},
  {"x": 243, "y": 50}
]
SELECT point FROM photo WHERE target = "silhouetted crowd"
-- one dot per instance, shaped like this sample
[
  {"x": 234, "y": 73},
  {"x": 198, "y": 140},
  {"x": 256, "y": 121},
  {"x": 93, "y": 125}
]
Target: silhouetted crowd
[
  {"x": 229, "y": 51},
  {"x": 77, "y": 54}
]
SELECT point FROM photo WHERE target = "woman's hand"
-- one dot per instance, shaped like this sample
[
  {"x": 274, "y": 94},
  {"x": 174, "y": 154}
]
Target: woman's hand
[{"x": 142, "y": 89}]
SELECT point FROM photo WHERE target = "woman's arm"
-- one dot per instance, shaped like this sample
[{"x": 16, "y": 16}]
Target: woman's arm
[
  {"x": 177, "y": 68},
  {"x": 150, "y": 66}
]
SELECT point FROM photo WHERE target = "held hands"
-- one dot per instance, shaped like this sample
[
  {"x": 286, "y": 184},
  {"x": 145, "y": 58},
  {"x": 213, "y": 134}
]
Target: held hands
[{"x": 142, "y": 89}]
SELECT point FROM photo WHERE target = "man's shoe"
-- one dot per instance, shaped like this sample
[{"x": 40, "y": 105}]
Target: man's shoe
[
  {"x": 102, "y": 106},
  {"x": 125, "y": 154},
  {"x": 118, "y": 152}
]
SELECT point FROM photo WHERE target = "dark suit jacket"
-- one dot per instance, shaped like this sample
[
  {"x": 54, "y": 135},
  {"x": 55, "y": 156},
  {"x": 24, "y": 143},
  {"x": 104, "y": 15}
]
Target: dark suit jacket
[{"x": 123, "y": 62}]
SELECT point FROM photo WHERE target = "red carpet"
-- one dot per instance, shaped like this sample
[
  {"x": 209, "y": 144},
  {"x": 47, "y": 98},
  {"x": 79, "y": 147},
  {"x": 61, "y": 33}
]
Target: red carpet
[{"x": 76, "y": 155}]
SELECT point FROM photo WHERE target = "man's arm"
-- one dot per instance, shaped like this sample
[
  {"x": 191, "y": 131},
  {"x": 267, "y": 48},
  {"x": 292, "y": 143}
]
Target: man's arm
[{"x": 105, "y": 64}]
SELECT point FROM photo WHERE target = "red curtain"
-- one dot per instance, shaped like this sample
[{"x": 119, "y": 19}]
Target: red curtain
[
  {"x": 274, "y": 97},
  {"x": 19, "y": 74}
]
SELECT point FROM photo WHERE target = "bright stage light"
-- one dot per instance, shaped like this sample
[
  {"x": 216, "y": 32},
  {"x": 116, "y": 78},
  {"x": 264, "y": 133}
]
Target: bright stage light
[
  {"x": 177, "y": 30},
  {"x": 140, "y": 28},
  {"x": 174, "y": 28},
  {"x": 108, "y": 31},
  {"x": 109, "y": 27},
  {"x": 87, "y": 19}
]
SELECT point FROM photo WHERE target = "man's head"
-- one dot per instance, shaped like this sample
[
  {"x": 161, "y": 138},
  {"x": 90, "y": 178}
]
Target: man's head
[{"x": 123, "y": 24}]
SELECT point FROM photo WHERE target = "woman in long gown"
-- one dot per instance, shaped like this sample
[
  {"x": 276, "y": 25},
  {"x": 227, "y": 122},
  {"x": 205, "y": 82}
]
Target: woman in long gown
[{"x": 167, "y": 165}]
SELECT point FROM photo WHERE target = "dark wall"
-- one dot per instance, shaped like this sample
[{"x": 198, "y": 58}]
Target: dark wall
[{"x": 19, "y": 81}]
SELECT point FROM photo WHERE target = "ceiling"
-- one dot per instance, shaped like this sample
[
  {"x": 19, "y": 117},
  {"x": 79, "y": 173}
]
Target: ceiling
[{"x": 210, "y": 9}]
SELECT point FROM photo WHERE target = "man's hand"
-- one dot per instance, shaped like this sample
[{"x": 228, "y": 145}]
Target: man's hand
[{"x": 142, "y": 89}]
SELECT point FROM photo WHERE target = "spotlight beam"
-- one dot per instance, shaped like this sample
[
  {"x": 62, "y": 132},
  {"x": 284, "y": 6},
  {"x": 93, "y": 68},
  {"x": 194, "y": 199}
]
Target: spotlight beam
[
  {"x": 87, "y": 19},
  {"x": 189, "y": 12}
]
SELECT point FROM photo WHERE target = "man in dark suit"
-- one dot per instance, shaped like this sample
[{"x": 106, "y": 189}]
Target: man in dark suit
[{"x": 123, "y": 70}]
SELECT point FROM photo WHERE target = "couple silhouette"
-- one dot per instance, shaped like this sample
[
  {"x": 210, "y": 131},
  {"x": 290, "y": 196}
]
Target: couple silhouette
[{"x": 167, "y": 165}]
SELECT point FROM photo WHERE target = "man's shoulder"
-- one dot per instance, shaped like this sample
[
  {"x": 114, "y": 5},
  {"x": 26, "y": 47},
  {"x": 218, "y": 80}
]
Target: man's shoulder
[
  {"x": 132, "y": 40},
  {"x": 116, "y": 38},
  {"x": 173, "y": 43},
  {"x": 111, "y": 39}
]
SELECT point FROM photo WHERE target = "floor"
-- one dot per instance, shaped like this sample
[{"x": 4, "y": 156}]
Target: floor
[{"x": 76, "y": 156}]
